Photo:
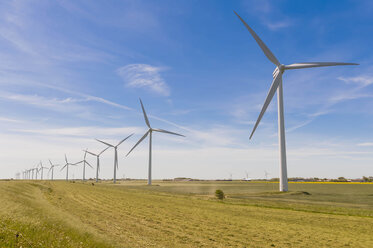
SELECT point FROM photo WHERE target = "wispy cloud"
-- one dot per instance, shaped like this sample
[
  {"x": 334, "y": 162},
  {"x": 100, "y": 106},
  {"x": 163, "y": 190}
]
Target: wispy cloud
[
  {"x": 269, "y": 13},
  {"x": 361, "y": 80},
  {"x": 359, "y": 83},
  {"x": 274, "y": 25},
  {"x": 55, "y": 104},
  {"x": 87, "y": 131},
  {"x": 366, "y": 144},
  {"x": 144, "y": 76},
  {"x": 5, "y": 119}
]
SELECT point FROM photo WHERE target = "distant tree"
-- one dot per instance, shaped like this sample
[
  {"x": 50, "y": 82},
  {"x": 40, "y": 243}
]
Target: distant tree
[
  {"x": 342, "y": 179},
  {"x": 367, "y": 179},
  {"x": 219, "y": 194}
]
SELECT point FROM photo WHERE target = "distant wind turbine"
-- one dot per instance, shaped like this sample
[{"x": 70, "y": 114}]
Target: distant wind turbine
[
  {"x": 41, "y": 169},
  {"x": 116, "y": 166},
  {"x": 37, "y": 169},
  {"x": 51, "y": 169},
  {"x": 266, "y": 174},
  {"x": 277, "y": 85},
  {"x": 150, "y": 131},
  {"x": 247, "y": 175},
  {"x": 67, "y": 168},
  {"x": 84, "y": 161},
  {"x": 98, "y": 160}
]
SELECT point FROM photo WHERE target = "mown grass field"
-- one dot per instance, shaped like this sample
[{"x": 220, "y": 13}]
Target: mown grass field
[{"x": 184, "y": 214}]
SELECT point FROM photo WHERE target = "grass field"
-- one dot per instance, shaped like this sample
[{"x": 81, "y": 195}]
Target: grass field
[{"x": 184, "y": 214}]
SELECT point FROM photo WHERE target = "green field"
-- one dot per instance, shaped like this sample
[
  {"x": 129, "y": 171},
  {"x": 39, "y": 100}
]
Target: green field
[{"x": 184, "y": 214}]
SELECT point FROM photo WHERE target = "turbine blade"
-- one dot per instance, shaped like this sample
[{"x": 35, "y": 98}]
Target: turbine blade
[
  {"x": 263, "y": 46},
  {"x": 78, "y": 162},
  {"x": 85, "y": 153},
  {"x": 145, "y": 116},
  {"x": 124, "y": 139},
  {"x": 165, "y": 131},
  {"x": 50, "y": 161},
  {"x": 64, "y": 167},
  {"x": 271, "y": 93},
  {"x": 138, "y": 142},
  {"x": 103, "y": 151},
  {"x": 95, "y": 154},
  {"x": 89, "y": 164},
  {"x": 66, "y": 158},
  {"x": 105, "y": 143},
  {"x": 315, "y": 64}
]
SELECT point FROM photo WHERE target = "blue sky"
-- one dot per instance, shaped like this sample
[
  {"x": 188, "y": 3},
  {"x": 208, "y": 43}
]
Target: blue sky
[{"x": 72, "y": 71}]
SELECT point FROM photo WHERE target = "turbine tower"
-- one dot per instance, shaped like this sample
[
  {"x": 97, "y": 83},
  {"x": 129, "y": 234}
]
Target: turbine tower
[
  {"x": 277, "y": 85},
  {"x": 115, "y": 155},
  {"x": 98, "y": 160},
  {"x": 150, "y": 131},
  {"x": 51, "y": 169}
]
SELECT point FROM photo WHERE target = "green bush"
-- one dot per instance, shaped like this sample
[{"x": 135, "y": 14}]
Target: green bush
[{"x": 219, "y": 194}]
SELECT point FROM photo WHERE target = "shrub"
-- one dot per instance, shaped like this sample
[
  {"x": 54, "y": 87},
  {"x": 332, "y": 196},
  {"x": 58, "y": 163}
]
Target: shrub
[{"x": 219, "y": 194}]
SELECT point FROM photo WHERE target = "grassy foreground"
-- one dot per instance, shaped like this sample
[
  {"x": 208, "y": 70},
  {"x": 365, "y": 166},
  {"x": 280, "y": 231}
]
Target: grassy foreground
[{"x": 184, "y": 214}]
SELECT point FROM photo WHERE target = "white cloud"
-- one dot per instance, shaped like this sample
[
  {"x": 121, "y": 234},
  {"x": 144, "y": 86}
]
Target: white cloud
[
  {"x": 269, "y": 12},
  {"x": 362, "y": 80},
  {"x": 366, "y": 144},
  {"x": 87, "y": 131},
  {"x": 60, "y": 105},
  {"x": 357, "y": 92},
  {"x": 278, "y": 24},
  {"x": 5, "y": 119},
  {"x": 144, "y": 76}
]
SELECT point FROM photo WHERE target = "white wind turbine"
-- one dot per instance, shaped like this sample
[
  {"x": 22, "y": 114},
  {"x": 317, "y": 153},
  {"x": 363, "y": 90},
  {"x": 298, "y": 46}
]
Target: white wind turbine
[
  {"x": 150, "y": 131},
  {"x": 67, "y": 168},
  {"x": 37, "y": 169},
  {"x": 116, "y": 166},
  {"x": 277, "y": 85},
  {"x": 41, "y": 169},
  {"x": 51, "y": 169},
  {"x": 84, "y": 161},
  {"x": 247, "y": 175},
  {"x": 98, "y": 160}
]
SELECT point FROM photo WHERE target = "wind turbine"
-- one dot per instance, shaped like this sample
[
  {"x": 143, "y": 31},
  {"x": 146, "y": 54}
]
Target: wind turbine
[
  {"x": 115, "y": 154},
  {"x": 51, "y": 169},
  {"x": 150, "y": 131},
  {"x": 37, "y": 172},
  {"x": 247, "y": 175},
  {"x": 98, "y": 160},
  {"x": 266, "y": 174},
  {"x": 67, "y": 168},
  {"x": 42, "y": 168},
  {"x": 277, "y": 85},
  {"x": 84, "y": 161}
]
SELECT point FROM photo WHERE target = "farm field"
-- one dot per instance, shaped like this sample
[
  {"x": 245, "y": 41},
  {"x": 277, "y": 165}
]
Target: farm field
[{"x": 184, "y": 214}]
